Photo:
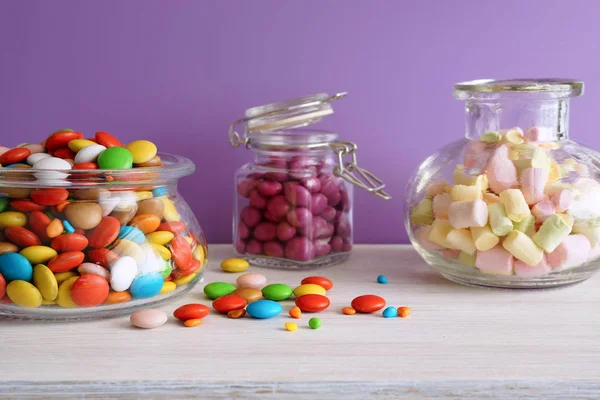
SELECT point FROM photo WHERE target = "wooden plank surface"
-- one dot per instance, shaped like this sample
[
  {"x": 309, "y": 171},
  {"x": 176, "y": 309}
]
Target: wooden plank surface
[{"x": 459, "y": 341}]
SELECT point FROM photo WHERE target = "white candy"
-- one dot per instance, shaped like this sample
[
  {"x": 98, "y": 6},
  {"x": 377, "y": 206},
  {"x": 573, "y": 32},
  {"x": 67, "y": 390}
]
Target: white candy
[
  {"x": 33, "y": 158},
  {"x": 123, "y": 273},
  {"x": 91, "y": 268},
  {"x": 89, "y": 154},
  {"x": 52, "y": 177},
  {"x": 153, "y": 262}
]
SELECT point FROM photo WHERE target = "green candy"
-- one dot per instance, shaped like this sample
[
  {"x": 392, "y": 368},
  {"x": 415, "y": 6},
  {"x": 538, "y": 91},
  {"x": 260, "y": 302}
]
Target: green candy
[
  {"x": 314, "y": 323},
  {"x": 218, "y": 289},
  {"x": 3, "y": 203},
  {"x": 167, "y": 271},
  {"x": 115, "y": 158},
  {"x": 277, "y": 292}
]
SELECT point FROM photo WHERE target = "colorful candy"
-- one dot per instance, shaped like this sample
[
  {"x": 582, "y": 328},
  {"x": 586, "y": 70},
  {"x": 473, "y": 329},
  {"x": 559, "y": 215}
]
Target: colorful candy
[
  {"x": 390, "y": 312},
  {"x": 218, "y": 289},
  {"x": 234, "y": 265},
  {"x": 228, "y": 303},
  {"x": 148, "y": 319},
  {"x": 312, "y": 302},
  {"x": 263, "y": 309},
  {"x": 291, "y": 326},
  {"x": 277, "y": 292},
  {"x": 382, "y": 279},
  {"x": 248, "y": 293},
  {"x": 368, "y": 303},
  {"x": 251, "y": 280},
  {"x": 191, "y": 311},
  {"x": 314, "y": 323},
  {"x": 318, "y": 280}
]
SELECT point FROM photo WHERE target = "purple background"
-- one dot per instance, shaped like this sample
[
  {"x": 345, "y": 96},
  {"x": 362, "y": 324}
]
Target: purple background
[{"x": 179, "y": 72}]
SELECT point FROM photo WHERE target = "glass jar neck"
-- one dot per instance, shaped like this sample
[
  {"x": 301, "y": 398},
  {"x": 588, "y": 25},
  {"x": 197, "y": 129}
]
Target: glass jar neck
[
  {"x": 317, "y": 156},
  {"x": 549, "y": 116}
]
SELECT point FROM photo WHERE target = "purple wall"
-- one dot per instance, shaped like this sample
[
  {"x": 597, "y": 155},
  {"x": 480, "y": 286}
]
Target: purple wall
[{"x": 178, "y": 72}]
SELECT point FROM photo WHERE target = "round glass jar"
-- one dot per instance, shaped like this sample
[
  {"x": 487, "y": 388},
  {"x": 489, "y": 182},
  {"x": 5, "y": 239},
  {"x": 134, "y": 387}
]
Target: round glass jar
[
  {"x": 85, "y": 244},
  {"x": 516, "y": 203},
  {"x": 293, "y": 202}
]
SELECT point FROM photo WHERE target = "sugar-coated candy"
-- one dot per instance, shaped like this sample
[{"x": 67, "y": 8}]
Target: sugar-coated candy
[
  {"x": 483, "y": 238},
  {"x": 499, "y": 222},
  {"x": 502, "y": 173},
  {"x": 466, "y": 214},
  {"x": 523, "y": 248},
  {"x": 574, "y": 250},
  {"x": 525, "y": 270},
  {"x": 552, "y": 232},
  {"x": 461, "y": 239}
]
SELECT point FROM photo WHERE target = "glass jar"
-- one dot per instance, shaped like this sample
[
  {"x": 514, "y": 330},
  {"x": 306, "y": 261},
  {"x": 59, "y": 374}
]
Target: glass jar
[
  {"x": 293, "y": 202},
  {"x": 96, "y": 243},
  {"x": 516, "y": 203}
]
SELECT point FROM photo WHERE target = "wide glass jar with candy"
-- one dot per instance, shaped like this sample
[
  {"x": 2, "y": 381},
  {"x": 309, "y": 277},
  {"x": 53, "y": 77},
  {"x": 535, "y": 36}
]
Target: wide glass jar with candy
[
  {"x": 516, "y": 203},
  {"x": 94, "y": 228},
  {"x": 293, "y": 202}
]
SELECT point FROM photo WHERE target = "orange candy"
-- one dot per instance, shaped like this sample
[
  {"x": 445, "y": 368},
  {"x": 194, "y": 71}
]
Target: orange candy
[
  {"x": 21, "y": 237},
  {"x": 69, "y": 242},
  {"x": 61, "y": 139},
  {"x": 14, "y": 156},
  {"x": 117, "y": 297},
  {"x": 2, "y": 286},
  {"x": 295, "y": 312},
  {"x": 181, "y": 251},
  {"x": 312, "y": 302},
  {"x": 105, "y": 233},
  {"x": 60, "y": 207},
  {"x": 318, "y": 280},
  {"x": 403, "y": 312},
  {"x": 65, "y": 153},
  {"x": 231, "y": 302},
  {"x": 54, "y": 228},
  {"x": 107, "y": 140},
  {"x": 89, "y": 290},
  {"x": 191, "y": 311},
  {"x": 38, "y": 222},
  {"x": 194, "y": 266},
  {"x": 66, "y": 261},
  {"x": 349, "y": 311},
  {"x": 235, "y": 314},
  {"x": 175, "y": 227},
  {"x": 190, "y": 323},
  {"x": 146, "y": 223},
  {"x": 103, "y": 256}
]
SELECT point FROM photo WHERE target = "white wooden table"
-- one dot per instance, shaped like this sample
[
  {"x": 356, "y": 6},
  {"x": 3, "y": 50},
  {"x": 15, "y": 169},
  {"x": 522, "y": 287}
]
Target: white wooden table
[{"x": 459, "y": 342}]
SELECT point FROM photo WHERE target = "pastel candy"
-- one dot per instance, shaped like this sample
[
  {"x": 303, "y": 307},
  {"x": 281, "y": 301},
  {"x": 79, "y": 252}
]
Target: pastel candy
[
  {"x": 528, "y": 156},
  {"x": 501, "y": 172},
  {"x": 462, "y": 240},
  {"x": 467, "y": 259},
  {"x": 594, "y": 254},
  {"x": 562, "y": 200},
  {"x": 422, "y": 235},
  {"x": 465, "y": 193},
  {"x": 526, "y": 225},
  {"x": 552, "y": 232},
  {"x": 533, "y": 181},
  {"x": 466, "y": 214},
  {"x": 513, "y": 136},
  {"x": 460, "y": 177},
  {"x": 571, "y": 252},
  {"x": 527, "y": 271},
  {"x": 476, "y": 154},
  {"x": 441, "y": 202},
  {"x": 542, "y": 210},
  {"x": 422, "y": 212},
  {"x": 491, "y": 198},
  {"x": 499, "y": 222},
  {"x": 523, "y": 248},
  {"x": 495, "y": 261},
  {"x": 538, "y": 134},
  {"x": 490, "y": 137},
  {"x": 515, "y": 205},
  {"x": 483, "y": 238},
  {"x": 590, "y": 229},
  {"x": 438, "y": 187},
  {"x": 439, "y": 233},
  {"x": 451, "y": 254}
]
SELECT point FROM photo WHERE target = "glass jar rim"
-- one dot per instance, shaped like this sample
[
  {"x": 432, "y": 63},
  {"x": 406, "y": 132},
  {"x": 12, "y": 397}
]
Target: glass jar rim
[
  {"x": 559, "y": 88},
  {"x": 292, "y": 139},
  {"x": 173, "y": 167}
]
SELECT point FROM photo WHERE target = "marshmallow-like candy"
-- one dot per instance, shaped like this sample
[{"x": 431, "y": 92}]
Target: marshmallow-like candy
[
  {"x": 571, "y": 252},
  {"x": 542, "y": 210},
  {"x": 439, "y": 233},
  {"x": 465, "y": 214},
  {"x": 499, "y": 222},
  {"x": 462, "y": 240},
  {"x": 422, "y": 236},
  {"x": 526, "y": 225},
  {"x": 513, "y": 136},
  {"x": 496, "y": 261},
  {"x": 476, "y": 154},
  {"x": 515, "y": 205},
  {"x": 594, "y": 254},
  {"x": 441, "y": 202},
  {"x": 491, "y": 198},
  {"x": 562, "y": 200},
  {"x": 568, "y": 219},
  {"x": 533, "y": 182},
  {"x": 555, "y": 173},
  {"x": 501, "y": 172},
  {"x": 530, "y": 156},
  {"x": 590, "y": 229},
  {"x": 552, "y": 188},
  {"x": 539, "y": 134},
  {"x": 438, "y": 187},
  {"x": 527, "y": 271},
  {"x": 451, "y": 254},
  {"x": 460, "y": 177},
  {"x": 552, "y": 232},
  {"x": 484, "y": 238},
  {"x": 467, "y": 259},
  {"x": 422, "y": 212},
  {"x": 490, "y": 137},
  {"x": 523, "y": 248},
  {"x": 465, "y": 193}
]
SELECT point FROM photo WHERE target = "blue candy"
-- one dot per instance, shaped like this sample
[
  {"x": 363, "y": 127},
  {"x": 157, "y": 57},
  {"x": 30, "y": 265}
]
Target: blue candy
[
  {"x": 382, "y": 279},
  {"x": 159, "y": 191},
  {"x": 390, "y": 312},
  {"x": 68, "y": 227},
  {"x": 146, "y": 285},
  {"x": 263, "y": 309},
  {"x": 15, "y": 267},
  {"x": 132, "y": 233}
]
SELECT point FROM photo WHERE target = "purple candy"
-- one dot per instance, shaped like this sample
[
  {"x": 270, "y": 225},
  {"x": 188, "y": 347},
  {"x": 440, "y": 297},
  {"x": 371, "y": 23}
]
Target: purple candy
[
  {"x": 300, "y": 217},
  {"x": 243, "y": 231},
  {"x": 303, "y": 162},
  {"x": 250, "y": 216},
  {"x": 278, "y": 206},
  {"x": 285, "y": 231},
  {"x": 254, "y": 247},
  {"x": 328, "y": 214},
  {"x": 312, "y": 184},
  {"x": 347, "y": 247},
  {"x": 305, "y": 173},
  {"x": 257, "y": 201},
  {"x": 336, "y": 244},
  {"x": 333, "y": 199},
  {"x": 300, "y": 249},
  {"x": 318, "y": 203},
  {"x": 322, "y": 248},
  {"x": 265, "y": 231},
  {"x": 273, "y": 249},
  {"x": 274, "y": 162},
  {"x": 276, "y": 176},
  {"x": 329, "y": 184},
  {"x": 240, "y": 246},
  {"x": 270, "y": 217},
  {"x": 297, "y": 194},
  {"x": 321, "y": 229},
  {"x": 269, "y": 188},
  {"x": 245, "y": 187}
]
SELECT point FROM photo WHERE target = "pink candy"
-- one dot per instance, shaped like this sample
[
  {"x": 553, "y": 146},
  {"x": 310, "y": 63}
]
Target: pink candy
[
  {"x": 573, "y": 251},
  {"x": 533, "y": 181},
  {"x": 562, "y": 200},
  {"x": 466, "y": 214},
  {"x": 501, "y": 171},
  {"x": 441, "y": 202},
  {"x": 495, "y": 261},
  {"x": 543, "y": 210},
  {"x": 522, "y": 269}
]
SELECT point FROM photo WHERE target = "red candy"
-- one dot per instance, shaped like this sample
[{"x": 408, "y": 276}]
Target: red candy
[
  {"x": 26, "y": 205},
  {"x": 2, "y": 286},
  {"x": 318, "y": 280},
  {"x": 105, "y": 233},
  {"x": 21, "y": 237},
  {"x": 89, "y": 290},
  {"x": 312, "y": 302},
  {"x": 191, "y": 311},
  {"x": 190, "y": 269},
  {"x": 107, "y": 140},
  {"x": 38, "y": 222},
  {"x": 175, "y": 227},
  {"x": 66, "y": 261},
  {"x": 49, "y": 197},
  {"x": 102, "y": 256},
  {"x": 14, "y": 156},
  {"x": 85, "y": 166},
  {"x": 181, "y": 251},
  {"x": 61, "y": 139},
  {"x": 368, "y": 303},
  {"x": 65, "y": 153},
  {"x": 228, "y": 303},
  {"x": 69, "y": 242}
]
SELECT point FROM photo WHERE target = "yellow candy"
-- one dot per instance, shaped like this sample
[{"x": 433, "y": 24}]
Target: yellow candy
[
  {"x": 513, "y": 136},
  {"x": 45, "y": 281},
  {"x": 64, "y": 298},
  {"x": 291, "y": 326},
  {"x": 198, "y": 254},
  {"x": 439, "y": 233},
  {"x": 462, "y": 240},
  {"x": 484, "y": 238},
  {"x": 467, "y": 259},
  {"x": 530, "y": 156},
  {"x": 527, "y": 225},
  {"x": 79, "y": 144},
  {"x": 170, "y": 213},
  {"x": 490, "y": 137},
  {"x": 422, "y": 212},
  {"x": 142, "y": 151},
  {"x": 555, "y": 173},
  {"x": 129, "y": 248},
  {"x": 12, "y": 218},
  {"x": 491, "y": 198},
  {"x": 523, "y": 248},
  {"x": 162, "y": 251},
  {"x": 168, "y": 287},
  {"x": 63, "y": 276},
  {"x": 189, "y": 240},
  {"x": 48, "y": 302},
  {"x": 515, "y": 205},
  {"x": 24, "y": 294},
  {"x": 309, "y": 288},
  {"x": 461, "y": 178},
  {"x": 38, "y": 254},
  {"x": 143, "y": 195},
  {"x": 234, "y": 265},
  {"x": 160, "y": 237},
  {"x": 437, "y": 187},
  {"x": 499, "y": 222},
  {"x": 465, "y": 193},
  {"x": 184, "y": 280}
]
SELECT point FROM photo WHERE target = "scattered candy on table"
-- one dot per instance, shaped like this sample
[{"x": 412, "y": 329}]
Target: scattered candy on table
[
  {"x": 234, "y": 265},
  {"x": 295, "y": 312},
  {"x": 403, "y": 312},
  {"x": 390, "y": 312},
  {"x": 382, "y": 279},
  {"x": 314, "y": 323},
  {"x": 148, "y": 319},
  {"x": 348, "y": 310},
  {"x": 290, "y": 326}
]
